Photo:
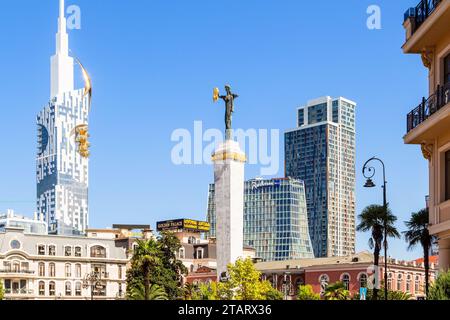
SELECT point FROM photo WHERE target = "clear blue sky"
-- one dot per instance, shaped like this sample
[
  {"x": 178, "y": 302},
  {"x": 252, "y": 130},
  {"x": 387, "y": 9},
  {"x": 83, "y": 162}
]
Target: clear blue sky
[{"x": 154, "y": 64}]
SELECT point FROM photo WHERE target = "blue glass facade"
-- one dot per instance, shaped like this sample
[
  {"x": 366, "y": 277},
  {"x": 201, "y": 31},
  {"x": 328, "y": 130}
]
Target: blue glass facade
[
  {"x": 275, "y": 219},
  {"x": 321, "y": 152}
]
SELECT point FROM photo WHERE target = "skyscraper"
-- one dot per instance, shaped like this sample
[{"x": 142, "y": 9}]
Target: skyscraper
[
  {"x": 275, "y": 219},
  {"x": 321, "y": 152},
  {"x": 62, "y": 155}
]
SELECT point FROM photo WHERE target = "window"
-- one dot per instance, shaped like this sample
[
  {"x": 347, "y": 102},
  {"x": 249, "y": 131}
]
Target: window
[
  {"x": 52, "y": 270},
  {"x": 78, "y": 289},
  {"x": 120, "y": 272},
  {"x": 181, "y": 253},
  {"x": 363, "y": 280},
  {"x": 77, "y": 251},
  {"x": 67, "y": 251},
  {"x": 447, "y": 175},
  {"x": 41, "y": 250},
  {"x": 41, "y": 269},
  {"x": 98, "y": 252},
  {"x": 199, "y": 253},
  {"x": 68, "y": 270},
  {"x": 389, "y": 282},
  {"x": 301, "y": 117},
  {"x": 417, "y": 285},
  {"x": 51, "y": 250},
  {"x": 52, "y": 288},
  {"x": 345, "y": 278},
  {"x": 408, "y": 283},
  {"x": 78, "y": 270},
  {"x": 399, "y": 282},
  {"x": 42, "y": 288},
  {"x": 68, "y": 289},
  {"x": 447, "y": 69}
]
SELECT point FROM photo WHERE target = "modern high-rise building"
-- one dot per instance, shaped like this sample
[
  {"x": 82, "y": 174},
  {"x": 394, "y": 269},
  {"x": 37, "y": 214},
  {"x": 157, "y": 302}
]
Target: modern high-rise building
[
  {"x": 321, "y": 152},
  {"x": 62, "y": 155},
  {"x": 275, "y": 219}
]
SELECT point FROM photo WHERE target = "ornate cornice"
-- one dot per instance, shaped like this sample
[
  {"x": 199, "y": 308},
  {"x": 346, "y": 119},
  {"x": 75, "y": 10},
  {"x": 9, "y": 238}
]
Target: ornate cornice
[
  {"x": 229, "y": 156},
  {"x": 427, "y": 57},
  {"x": 427, "y": 150}
]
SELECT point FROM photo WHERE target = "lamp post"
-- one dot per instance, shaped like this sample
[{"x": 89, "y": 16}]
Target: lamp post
[
  {"x": 369, "y": 173},
  {"x": 92, "y": 280}
]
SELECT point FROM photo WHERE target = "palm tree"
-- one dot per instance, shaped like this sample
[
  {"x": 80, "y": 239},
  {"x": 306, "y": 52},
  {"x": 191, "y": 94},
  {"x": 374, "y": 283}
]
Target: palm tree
[
  {"x": 336, "y": 291},
  {"x": 189, "y": 290},
  {"x": 154, "y": 292},
  {"x": 372, "y": 218},
  {"x": 145, "y": 258},
  {"x": 418, "y": 233}
]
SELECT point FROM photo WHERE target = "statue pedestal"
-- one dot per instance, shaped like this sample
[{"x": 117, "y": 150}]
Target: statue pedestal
[{"x": 229, "y": 161}]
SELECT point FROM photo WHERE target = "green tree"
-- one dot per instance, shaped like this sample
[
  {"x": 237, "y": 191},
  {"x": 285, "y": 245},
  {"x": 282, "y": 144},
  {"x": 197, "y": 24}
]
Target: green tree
[
  {"x": 372, "y": 219},
  {"x": 440, "y": 289},
  {"x": 307, "y": 293},
  {"x": 189, "y": 291},
  {"x": 155, "y": 262},
  {"x": 244, "y": 282},
  {"x": 336, "y": 291},
  {"x": 418, "y": 233},
  {"x": 1, "y": 290},
  {"x": 154, "y": 292}
]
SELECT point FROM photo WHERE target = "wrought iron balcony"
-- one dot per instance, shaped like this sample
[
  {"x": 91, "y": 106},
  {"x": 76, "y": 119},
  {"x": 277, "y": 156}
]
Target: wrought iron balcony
[
  {"x": 421, "y": 12},
  {"x": 428, "y": 107},
  {"x": 16, "y": 271}
]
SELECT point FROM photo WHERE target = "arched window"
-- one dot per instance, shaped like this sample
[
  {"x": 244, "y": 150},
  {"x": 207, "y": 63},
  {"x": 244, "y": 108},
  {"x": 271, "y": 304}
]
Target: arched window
[
  {"x": 199, "y": 253},
  {"x": 42, "y": 288},
  {"x": 417, "y": 284},
  {"x": 399, "y": 282},
  {"x": 78, "y": 289},
  {"x": 52, "y": 250},
  {"x": 408, "y": 283},
  {"x": 363, "y": 280},
  {"x": 181, "y": 253},
  {"x": 68, "y": 289},
  {"x": 52, "y": 270},
  {"x": 78, "y": 270},
  {"x": 389, "y": 281},
  {"x": 324, "y": 278},
  {"x": 68, "y": 270},
  {"x": 41, "y": 269},
  {"x": 77, "y": 251},
  {"x": 52, "y": 288},
  {"x": 345, "y": 278},
  {"x": 192, "y": 240},
  {"x": 98, "y": 252},
  {"x": 68, "y": 251}
]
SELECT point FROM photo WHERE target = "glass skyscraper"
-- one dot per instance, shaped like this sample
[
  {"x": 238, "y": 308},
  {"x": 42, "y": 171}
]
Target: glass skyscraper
[
  {"x": 321, "y": 152},
  {"x": 275, "y": 219}
]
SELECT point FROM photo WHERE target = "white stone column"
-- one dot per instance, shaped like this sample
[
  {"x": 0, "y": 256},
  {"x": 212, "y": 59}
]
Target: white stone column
[{"x": 229, "y": 161}]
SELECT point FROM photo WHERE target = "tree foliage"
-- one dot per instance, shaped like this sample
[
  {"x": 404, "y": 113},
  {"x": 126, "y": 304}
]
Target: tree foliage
[
  {"x": 440, "y": 289},
  {"x": 154, "y": 263},
  {"x": 336, "y": 291},
  {"x": 154, "y": 292},
  {"x": 1, "y": 290},
  {"x": 392, "y": 295},
  {"x": 307, "y": 293}
]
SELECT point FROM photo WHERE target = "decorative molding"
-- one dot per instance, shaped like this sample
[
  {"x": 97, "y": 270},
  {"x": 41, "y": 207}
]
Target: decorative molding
[
  {"x": 427, "y": 57},
  {"x": 427, "y": 150},
  {"x": 229, "y": 156}
]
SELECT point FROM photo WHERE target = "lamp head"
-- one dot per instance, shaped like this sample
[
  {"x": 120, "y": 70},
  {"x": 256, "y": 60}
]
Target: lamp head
[{"x": 369, "y": 184}]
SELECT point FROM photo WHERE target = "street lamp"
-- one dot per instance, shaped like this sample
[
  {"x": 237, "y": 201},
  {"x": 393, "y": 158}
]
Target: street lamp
[
  {"x": 369, "y": 173},
  {"x": 92, "y": 280}
]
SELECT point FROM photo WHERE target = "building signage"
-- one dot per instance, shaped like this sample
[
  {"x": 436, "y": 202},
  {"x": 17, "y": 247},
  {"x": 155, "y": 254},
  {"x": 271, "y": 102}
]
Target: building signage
[
  {"x": 183, "y": 224},
  {"x": 256, "y": 184}
]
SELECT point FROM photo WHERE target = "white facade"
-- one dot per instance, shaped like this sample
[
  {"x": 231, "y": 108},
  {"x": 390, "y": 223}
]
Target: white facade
[
  {"x": 47, "y": 267},
  {"x": 229, "y": 163},
  {"x": 62, "y": 164}
]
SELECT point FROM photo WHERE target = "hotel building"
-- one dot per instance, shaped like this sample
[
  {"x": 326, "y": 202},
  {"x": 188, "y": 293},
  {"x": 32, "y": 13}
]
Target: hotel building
[
  {"x": 321, "y": 152},
  {"x": 62, "y": 163},
  {"x": 428, "y": 34},
  {"x": 275, "y": 219}
]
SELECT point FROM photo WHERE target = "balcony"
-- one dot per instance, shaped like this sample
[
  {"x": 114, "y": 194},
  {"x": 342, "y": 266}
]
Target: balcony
[
  {"x": 426, "y": 25},
  {"x": 428, "y": 107},
  {"x": 421, "y": 13},
  {"x": 15, "y": 271}
]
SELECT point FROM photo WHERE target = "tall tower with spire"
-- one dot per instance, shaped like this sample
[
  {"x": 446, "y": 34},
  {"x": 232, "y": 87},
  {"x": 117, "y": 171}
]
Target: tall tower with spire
[{"x": 63, "y": 150}]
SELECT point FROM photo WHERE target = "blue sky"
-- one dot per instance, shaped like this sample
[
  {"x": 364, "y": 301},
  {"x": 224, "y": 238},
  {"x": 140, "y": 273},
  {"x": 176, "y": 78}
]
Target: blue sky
[{"x": 154, "y": 64}]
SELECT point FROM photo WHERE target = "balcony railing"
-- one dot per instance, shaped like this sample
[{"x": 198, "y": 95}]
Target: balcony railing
[
  {"x": 421, "y": 12},
  {"x": 15, "y": 271},
  {"x": 19, "y": 291},
  {"x": 428, "y": 107}
]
